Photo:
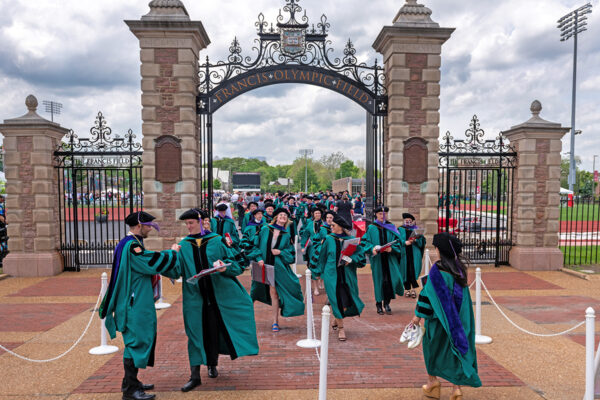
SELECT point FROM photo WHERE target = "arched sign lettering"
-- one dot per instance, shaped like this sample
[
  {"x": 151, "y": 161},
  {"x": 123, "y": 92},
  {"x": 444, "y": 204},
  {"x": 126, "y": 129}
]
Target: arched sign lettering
[{"x": 262, "y": 77}]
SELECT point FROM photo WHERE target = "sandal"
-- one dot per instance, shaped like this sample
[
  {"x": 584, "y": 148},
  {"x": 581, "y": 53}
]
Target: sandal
[
  {"x": 275, "y": 327},
  {"x": 413, "y": 294},
  {"x": 334, "y": 326},
  {"x": 316, "y": 292},
  {"x": 407, "y": 293},
  {"x": 341, "y": 335}
]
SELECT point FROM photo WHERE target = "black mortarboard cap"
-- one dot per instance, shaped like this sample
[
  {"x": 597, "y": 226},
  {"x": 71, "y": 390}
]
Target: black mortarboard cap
[
  {"x": 380, "y": 209},
  {"x": 138, "y": 217},
  {"x": 258, "y": 210},
  {"x": 448, "y": 244},
  {"x": 253, "y": 202},
  {"x": 279, "y": 211},
  {"x": 408, "y": 215},
  {"x": 221, "y": 207},
  {"x": 193, "y": 213},
  {"x": 338, "y": 220}
]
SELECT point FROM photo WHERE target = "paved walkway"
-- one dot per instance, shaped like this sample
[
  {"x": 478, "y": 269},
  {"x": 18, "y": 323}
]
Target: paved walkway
[{"x": 42, "y": 317}]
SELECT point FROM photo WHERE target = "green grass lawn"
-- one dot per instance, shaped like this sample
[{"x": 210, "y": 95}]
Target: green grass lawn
[
  {"x": 584, "y": 212},
  {"x": 581, "y": 255}
]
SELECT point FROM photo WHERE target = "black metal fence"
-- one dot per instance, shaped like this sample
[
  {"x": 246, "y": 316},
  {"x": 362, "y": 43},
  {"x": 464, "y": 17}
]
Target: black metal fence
[
  {"x": 475, "y": 194},
  {"x": 579, "y": 229},
  {"x": 99, "y": 184}
]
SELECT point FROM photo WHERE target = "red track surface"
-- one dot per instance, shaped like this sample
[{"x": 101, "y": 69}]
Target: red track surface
[{"x": 88, "y": 214}]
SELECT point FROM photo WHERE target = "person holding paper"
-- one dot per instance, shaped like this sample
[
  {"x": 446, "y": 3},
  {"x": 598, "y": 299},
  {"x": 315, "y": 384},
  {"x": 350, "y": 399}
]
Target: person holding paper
[
  {"x": 273, "y": 246},
  {"x": 217, "y": 310},
  {"x": 336, "y": 259},
  {"x": 445, "y": 305},
  {"x": 382, "y": 243},
  {"x": 128, "y": 304},
  {"x": 310, "y": 236},
  {"x": 412, "y": 246},
  {"x": 223, "y": 224}
]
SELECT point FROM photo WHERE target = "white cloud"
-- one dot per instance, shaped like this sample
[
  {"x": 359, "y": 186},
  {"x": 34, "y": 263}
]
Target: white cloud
[{"x": 502, "y": 56}]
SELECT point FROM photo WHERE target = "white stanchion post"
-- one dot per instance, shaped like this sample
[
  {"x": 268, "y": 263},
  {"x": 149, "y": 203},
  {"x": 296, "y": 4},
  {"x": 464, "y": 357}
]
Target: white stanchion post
[
  {"x": 309, "y": 342},
  {"x": 590, "y": 332},
  {"x": 324, "y": 352},
  {"x": 596, "y": 377},
  {"x": 479, "y": 338},
  {"x": 161, "y": 304},
  {"x": 427, "y": 266},
  {"x": 104, "y": 348}
]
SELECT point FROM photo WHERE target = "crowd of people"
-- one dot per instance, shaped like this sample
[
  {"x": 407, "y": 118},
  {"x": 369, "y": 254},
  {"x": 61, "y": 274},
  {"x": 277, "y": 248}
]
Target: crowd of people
[{"x": 218, "y": 311}]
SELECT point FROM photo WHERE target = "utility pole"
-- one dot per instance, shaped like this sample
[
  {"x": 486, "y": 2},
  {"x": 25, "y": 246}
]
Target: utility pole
[
  {"x": 571, "y": 25},
  {"x": 306, "y": 153}
]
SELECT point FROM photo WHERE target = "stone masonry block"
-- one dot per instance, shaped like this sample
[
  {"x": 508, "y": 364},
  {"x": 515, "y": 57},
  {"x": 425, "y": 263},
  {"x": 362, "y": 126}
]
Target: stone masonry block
[
  {"x": 44, "y": 229},
  {"x": 189, "y": 157},
  {"x": 148, "y": 85},
  {"x": 184, "y": 99},
  {"x": 11, "y": 172},
  {"x": 42, "y": 158},
  {"x": 396, "y": 60},
  {"x": 43, "y": 144},
  {"x": 433, "y": 89},
  {"x": 528, "y": 159},
  {"x": 184, "y": 71},
  {"x": 526, "y": 145},
  {"x": 189, "y": 172},
  {"x": 151, "y": 100},
  {"x": 151, "y": 130},
  {"x": 9, "y": 144},
  {"x": 554, "y": 172},
  {"x": 147, "y": 55},
  {"x": 396, "y": 158},
  {"x": 395, "y": 117},
  {"x": 430, "y": 131},
  {"x": 188, "y": 86},
  {"x": 526, "y": 172},
  {"x": 186, "y": 56},
  {"x": 527, "y": 186},
  {"x": 14, "y": 230},
  {"x": 399, "y": 131},
  {"x": 434, "y": 60},
  {"x": 151, "y": 200},
  {"x": 187, "y": 114},
  {"x": 13, "y": 188},
  {"x": 148, "y": 70},
  {"x": 525, "y": 239},
  {"x": 553, "y": 159},
  {"x": 42, "y": 187},
  {"x": 398, "y": 74},
  {"x": 12, "y": 158},
  {"x": 44, "y": 200},
  {"x": 550, "y": 240},
  {"x": 431, "y": 75},
  {"x": 43, "y": 215},
  {"x": 15, "y": 244},
  {"x": 42, "y": 172},
  {"x": 555, "y": 146},
  {"x": 553, "y": 186},
  {"x": 399, "y": 103},
  {"x": 185, "y": 129},
  {"x": 189, "y": 200},
  {"x": 395, "y": 145},
  {"x": 432, "y": 118},
  {"x": 396, "y": 88},
  {"x": 395, "y": 173},
  {"x": 430, "y": 103},
  {"x": 149, "y": 114}
]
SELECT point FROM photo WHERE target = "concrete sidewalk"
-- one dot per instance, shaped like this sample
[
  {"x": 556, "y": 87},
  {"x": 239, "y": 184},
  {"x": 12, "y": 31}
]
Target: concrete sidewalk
[{"x": 42, "y": 317}]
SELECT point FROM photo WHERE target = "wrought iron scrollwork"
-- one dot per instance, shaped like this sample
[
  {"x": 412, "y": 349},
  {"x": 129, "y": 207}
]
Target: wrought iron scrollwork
[
  {"x": 475, "y": 146},
  {"x": 100, "y": 149},
  {"x": 312, "y": 49}
]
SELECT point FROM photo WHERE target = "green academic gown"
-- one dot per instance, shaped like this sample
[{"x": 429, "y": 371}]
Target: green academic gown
[
  {"x": 411, "y": 257},
  {"x": 234, "y": 304},
  {"x": 130, "y": 308},
  {"x": 341, "y": 283},
  {"x": 250, "y": 232},
  {"x": 291, "y": 300},
  {"x": 388, "y": 277},
  {"x": 441, "y": 356},
  {"x": 221, "y": 226},
  {"x": 315, "y": 233}
]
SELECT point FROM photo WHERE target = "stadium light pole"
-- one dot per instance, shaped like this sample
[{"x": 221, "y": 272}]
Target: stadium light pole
[
  {"x": 305, "y": 153},
  {"x": 571, "y": 25}
]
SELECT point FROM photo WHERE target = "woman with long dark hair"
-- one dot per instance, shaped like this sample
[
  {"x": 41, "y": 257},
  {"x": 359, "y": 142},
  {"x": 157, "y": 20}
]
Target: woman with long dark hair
[{"x": 445, "y": 305}]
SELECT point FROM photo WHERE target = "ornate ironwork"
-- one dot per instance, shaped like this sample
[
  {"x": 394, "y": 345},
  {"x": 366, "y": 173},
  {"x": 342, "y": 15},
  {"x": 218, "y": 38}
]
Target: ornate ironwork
[
  {"x": 292, "y": 43},
  {"x": 100, "y": 149},
  {"x": 475, "y": 146}
]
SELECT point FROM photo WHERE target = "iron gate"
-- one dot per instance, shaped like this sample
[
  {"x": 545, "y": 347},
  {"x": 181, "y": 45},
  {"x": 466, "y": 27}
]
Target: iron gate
[
  {"x": 293, "y": 51},
  {"x": 475, "y": 194},
  {"x": 99, "y": 184}
]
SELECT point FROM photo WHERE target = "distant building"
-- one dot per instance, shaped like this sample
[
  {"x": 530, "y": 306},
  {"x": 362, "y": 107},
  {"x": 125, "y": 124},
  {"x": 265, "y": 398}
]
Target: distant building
[
  {"x": 282, "y": 182},
  {"x": 352, "y": 185},
  {"x": 222, "y": 175}
]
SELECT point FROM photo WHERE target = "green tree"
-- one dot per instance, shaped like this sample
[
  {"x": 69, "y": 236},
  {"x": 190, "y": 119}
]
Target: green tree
[
  {"x": 348, "y": 169},
  {"x": 216, "y": 184}
]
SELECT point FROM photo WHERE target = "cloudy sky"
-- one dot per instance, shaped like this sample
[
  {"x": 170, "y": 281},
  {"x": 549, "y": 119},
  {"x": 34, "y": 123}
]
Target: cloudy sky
[{"x": 502, "y": 56}]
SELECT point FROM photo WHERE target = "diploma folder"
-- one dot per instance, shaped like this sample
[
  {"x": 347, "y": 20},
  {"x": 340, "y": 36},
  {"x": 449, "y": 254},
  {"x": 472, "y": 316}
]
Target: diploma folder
[
  {"x": 386, "y": 246},
  {"x": 205, "y": 272},
  {"x": 264, "y": 274}
]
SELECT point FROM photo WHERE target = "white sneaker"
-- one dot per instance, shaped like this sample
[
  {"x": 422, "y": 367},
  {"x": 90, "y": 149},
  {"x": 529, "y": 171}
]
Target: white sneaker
[
  {"x": 417, "y": 338},
  {"x": 408, "y": 333}
]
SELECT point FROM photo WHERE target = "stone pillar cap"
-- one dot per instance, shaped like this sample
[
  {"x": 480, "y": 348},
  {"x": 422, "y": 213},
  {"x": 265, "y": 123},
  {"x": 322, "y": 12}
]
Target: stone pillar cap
[
  {"x": 166, "y": 10},
  {"x": 413, "y": 14},
  {"x": 31, "y": 117},
  {"x": 535, "y": 120}
]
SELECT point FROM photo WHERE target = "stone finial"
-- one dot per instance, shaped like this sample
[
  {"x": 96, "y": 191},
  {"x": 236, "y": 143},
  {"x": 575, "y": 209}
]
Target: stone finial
[
  {"x": 413, "y": 15},
  {"x": 536, "y": 120},
  {"x": 536, "y": 108},
  {"x": 166, "y": 10},
  {"x": 31, "y": 102}
]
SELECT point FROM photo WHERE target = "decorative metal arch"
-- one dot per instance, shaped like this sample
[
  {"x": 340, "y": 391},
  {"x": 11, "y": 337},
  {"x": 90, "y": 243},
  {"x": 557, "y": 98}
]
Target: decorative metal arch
[{"x": 301, "y": 53}]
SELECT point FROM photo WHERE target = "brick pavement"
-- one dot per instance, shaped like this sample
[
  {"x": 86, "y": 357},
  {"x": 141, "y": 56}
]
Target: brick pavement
[
  {"x": 62, "y": 286},
  {"x": 372, "y": 357},
  {"x": 37, "y": 317},
  {"x": 550, "y": 309},
  {"x": 507, "y": 280}
]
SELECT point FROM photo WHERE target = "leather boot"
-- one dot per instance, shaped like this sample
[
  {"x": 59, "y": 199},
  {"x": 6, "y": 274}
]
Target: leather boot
[
  {"x": 388, "y": 310},
  {"x": 145, "y": 387},
  {"x": 194, "y": 379},
  {"x": 212, "y": 371},
  {"x": 379, "y": 308}
]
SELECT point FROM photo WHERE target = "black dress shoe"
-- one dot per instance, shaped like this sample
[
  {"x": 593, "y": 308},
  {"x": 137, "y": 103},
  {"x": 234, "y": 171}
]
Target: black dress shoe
[
  {"x": 388, "y": 310},
  {"x": 138, "y": 395},
  {"x": 192, "y": 383},
  {"x": 379, "y": 308},
  {"x": 212, "y": 371},
  {"x": 144, "y": 386}
]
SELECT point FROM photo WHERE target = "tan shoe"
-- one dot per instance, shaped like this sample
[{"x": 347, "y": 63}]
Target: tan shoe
[
  {"x": 341, "y": 335},
  {"x": 432, "y": 390},
  {"x": 456, "y": 395}
]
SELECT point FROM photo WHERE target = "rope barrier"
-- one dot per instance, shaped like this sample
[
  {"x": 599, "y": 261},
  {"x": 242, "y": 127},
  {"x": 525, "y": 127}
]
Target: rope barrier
[{"x": 66, "y": 352}]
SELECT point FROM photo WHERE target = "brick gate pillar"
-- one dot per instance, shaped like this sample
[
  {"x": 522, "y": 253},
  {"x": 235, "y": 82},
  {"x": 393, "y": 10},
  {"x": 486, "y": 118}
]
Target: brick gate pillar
[
  {"x": 536, "y": 189},
  {"x": 411, "y": 50},
  {"x": 32, "y": 194},
  {"x": 170, "y": 44}
]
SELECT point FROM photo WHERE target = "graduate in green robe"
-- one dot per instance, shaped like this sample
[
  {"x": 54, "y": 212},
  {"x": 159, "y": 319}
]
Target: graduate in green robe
[
  {"x": 217, "y": 310},
  {"x": 248, "y": 216},
  {"x": 128, "y": 304},
  {"x": 412, "y": 257},
  {"x": 252, "y": 229},
  {"x": 294, "y": 217},
  {"x": 445, "y": 305},
  {"x": 273, "y": 246},
  {"x": 339, "y": 274},
  {"x": 222, "y": 224},
  {"x": 269, "y": 209},
  {"x": 386, "y": 269},
  {"x": 310, "y": 237}
]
